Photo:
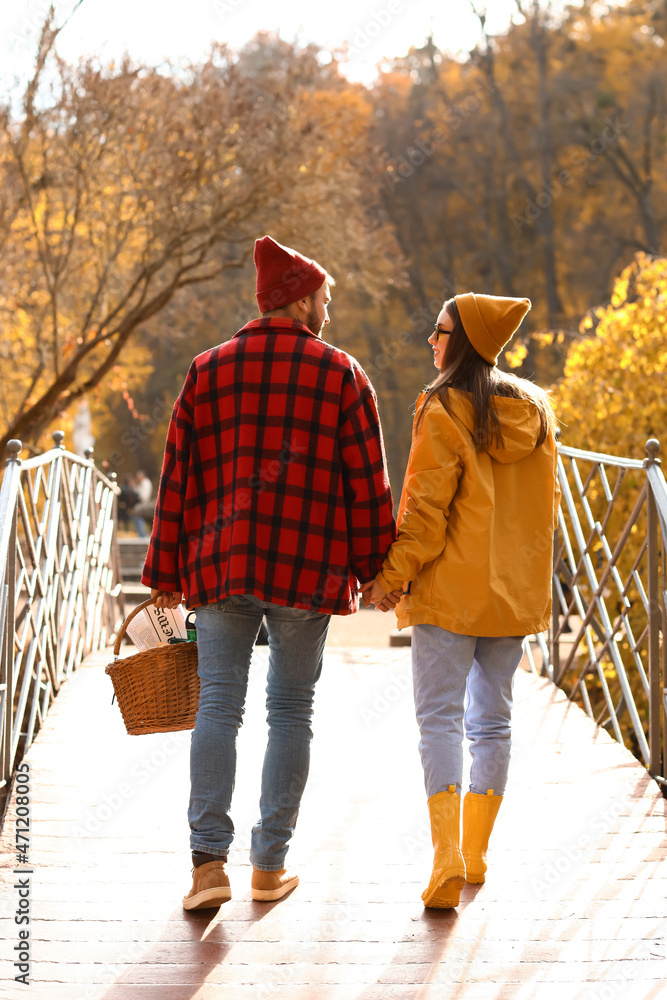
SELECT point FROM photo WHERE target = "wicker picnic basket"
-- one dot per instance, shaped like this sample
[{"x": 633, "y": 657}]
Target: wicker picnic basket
[{"x": 157, "y": 689}]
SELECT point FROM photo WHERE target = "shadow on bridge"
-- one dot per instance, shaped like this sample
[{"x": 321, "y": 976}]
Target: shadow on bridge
[{"x": 573, "y": 905}]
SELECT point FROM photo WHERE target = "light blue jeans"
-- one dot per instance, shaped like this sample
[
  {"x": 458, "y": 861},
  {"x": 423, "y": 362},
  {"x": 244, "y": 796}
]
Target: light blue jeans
[
  {"x": 444, "y": 667},
  {"x": 226, "y": 634}
]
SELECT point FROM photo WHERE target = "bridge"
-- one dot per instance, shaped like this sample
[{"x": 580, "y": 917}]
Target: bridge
[{"x": 574, "y": 902}]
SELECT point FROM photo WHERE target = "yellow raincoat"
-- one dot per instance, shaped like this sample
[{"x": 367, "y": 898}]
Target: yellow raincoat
[{"x": 475, "y": 537}]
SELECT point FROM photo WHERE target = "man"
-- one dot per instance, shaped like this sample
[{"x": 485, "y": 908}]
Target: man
[
  {"x": 274, "y": 501},
  {"x": 143, "y": 486}
]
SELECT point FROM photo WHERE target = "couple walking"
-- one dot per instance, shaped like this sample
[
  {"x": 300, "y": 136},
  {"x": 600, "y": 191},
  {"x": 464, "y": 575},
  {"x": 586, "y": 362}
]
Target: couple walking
[{"x": 274, "y": 502}]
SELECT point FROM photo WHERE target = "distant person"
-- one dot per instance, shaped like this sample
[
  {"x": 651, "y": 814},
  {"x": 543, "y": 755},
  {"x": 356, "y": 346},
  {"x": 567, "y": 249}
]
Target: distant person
[
  {"x": 127, "y": 501},
  {"x": 145, "y": 507},
  {"x": 473, "y": 560},
  {"x": 143, "y": 486},
  {"x": 274, "y": 503}
]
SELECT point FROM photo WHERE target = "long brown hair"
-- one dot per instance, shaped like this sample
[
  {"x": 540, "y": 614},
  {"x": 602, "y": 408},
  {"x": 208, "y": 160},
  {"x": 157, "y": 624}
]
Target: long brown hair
[{"x": 463, "y": 368}]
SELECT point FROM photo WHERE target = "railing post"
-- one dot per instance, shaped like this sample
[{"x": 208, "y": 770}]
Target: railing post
[
  {"x": 39, "y": 505},
  {"x": 555, "y": 621},
  {"x": 654, "y": 620},
  {"x": 8, "y": 577},
  {"x": 54, "y": 543},
  {"x": 554, "y": 645}
]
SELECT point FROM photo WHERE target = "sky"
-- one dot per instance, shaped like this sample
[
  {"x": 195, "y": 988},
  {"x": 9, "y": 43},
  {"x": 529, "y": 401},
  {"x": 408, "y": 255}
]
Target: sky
[{"x": 154, "y": 31}]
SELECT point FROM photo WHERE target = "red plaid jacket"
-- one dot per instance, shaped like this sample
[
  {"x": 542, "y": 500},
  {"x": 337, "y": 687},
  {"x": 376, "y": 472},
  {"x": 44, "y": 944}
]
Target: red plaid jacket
[{"x": 274, "y": 480}]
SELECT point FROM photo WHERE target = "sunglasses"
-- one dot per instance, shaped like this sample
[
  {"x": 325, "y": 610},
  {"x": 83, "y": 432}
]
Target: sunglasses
[{"x": 439, "y": 331}]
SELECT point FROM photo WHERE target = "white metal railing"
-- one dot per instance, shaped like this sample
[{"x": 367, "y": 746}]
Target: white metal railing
[
  {"x": 607, "y": 647},
  {"x": 59, "y": 583}
]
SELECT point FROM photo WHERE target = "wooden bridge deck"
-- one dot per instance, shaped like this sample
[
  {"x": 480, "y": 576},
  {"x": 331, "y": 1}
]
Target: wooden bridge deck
[{"x": 573, "y": 908}]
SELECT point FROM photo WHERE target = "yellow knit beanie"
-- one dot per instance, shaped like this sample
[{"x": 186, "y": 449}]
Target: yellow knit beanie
[{"x": 490, "y": 321}]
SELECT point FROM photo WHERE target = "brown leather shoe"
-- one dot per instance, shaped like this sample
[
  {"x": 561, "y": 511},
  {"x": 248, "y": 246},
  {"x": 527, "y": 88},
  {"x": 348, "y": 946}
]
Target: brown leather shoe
[
  {"x": 272, "y": 885},
  {"x": 210, "y": 886}
]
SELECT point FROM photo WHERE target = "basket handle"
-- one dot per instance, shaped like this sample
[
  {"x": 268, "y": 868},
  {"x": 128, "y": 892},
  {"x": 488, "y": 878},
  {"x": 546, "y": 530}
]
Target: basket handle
[{"x": 119, "y": 638}]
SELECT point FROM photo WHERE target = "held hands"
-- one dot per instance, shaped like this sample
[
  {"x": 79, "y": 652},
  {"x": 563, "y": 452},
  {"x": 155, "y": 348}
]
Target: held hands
[
  {"x": 372, "y": 593},
  {"x": 167, "y": 599}
]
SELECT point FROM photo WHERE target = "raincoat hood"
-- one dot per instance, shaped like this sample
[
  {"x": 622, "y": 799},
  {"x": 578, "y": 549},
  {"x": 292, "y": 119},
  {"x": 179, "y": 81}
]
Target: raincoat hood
[
  {"x": 519, "y": 421},
  {"x": 474, "y": 553}
]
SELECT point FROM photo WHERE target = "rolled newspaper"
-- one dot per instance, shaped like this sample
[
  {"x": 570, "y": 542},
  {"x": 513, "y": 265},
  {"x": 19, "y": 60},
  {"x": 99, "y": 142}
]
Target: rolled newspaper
[{"x": 156, "y": 625}]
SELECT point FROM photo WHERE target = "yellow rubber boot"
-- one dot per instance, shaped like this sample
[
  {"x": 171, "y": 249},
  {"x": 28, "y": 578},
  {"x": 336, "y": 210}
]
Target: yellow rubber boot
[
  {"x": 479, "y": 815},
  {"x": 448, "y": 876}
]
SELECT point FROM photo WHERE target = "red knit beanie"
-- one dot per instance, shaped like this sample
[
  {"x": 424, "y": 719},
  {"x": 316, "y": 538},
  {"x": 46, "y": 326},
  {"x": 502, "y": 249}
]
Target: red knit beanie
[{"x": 283, "y": 275}]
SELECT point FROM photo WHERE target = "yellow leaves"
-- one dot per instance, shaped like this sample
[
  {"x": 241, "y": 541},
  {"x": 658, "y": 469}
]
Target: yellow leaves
[
  {"x": 614, "y": 380},
  {"x": 515, "y": 357},
  {"x": 20, "y": 330},
  {"x": 21, "y": 318},
  {"x": 627, "y": 358},
  {"x": 159, "y": 159}
]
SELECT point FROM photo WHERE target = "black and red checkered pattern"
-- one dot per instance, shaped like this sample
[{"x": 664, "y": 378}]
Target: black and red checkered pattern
[{"x": 274, "y": 480}]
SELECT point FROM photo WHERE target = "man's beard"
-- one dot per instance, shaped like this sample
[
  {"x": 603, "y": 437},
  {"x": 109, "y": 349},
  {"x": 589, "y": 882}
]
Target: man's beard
[{"x": 314, "y": 323}]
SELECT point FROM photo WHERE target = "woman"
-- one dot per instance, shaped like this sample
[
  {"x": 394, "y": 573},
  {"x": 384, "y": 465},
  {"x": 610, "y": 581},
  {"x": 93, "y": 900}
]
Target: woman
[{"x": 473, "y": 561}]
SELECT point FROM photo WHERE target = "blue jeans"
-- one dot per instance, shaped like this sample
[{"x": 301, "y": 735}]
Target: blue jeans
[
  {"x": 444, "y": 666},
  {"x": 226, "y": 634}
]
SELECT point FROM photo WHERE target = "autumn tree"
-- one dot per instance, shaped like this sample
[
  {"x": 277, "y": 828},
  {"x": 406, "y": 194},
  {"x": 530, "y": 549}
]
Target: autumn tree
[
  {"x": 612, "y": 399},
  {"x": 125, "y": 186},
  {"x": 612, "y": 395},
  {"x": 130, "y": 199},
  {"x": 615, "y": 80},
  {"x": 531, "y": 167}
]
